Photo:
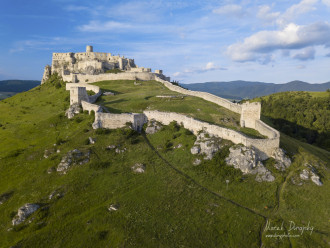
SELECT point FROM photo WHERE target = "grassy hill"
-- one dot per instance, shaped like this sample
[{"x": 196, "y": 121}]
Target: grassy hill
[
  {"x": 244, "y": 89},
  {"x": 9, "y": 88},
  {"x": 172, "y": 204},
  {"x": 302, "y": 115}
]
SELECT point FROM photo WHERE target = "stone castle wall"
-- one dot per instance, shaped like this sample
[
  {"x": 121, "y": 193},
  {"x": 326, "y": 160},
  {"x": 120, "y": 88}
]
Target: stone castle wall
[{"x": 264, "y": 147}]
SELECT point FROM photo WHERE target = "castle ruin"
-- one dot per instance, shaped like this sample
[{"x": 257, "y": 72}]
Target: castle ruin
[{"x": 91, "y": 63}]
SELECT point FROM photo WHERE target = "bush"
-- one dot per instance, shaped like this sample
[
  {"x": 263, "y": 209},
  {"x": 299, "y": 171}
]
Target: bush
[
  {"x": 99, "y": 165},
  {"x": 101, "y": 131}
]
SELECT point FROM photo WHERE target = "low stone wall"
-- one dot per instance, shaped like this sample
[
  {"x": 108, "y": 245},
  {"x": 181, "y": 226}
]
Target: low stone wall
[
  {"x": 113, "y": 121},
  {"x": 90, "y": 107},
  {"x": 264, "y": 146}
]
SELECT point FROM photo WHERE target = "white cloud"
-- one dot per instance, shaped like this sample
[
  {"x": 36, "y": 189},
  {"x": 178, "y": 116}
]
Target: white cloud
[
  {"x": 296, "y": 10},
  {"x": 326, "y": 2},
  {"x": 265, "y": 14},
  {"x": 97, "y": 26},
  {"x": 301, "y": 67},
  {"x": 210, "y": 66},
  {"x": 230, "y": 10},
  {"x": 262, "y": 44},
  {"x": 307, "y": 54}
]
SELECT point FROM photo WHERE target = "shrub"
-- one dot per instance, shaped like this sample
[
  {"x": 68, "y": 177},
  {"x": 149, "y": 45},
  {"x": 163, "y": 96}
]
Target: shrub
[
  {"x": 101, "y": 131},
  {"x": 99, "y": 165}
]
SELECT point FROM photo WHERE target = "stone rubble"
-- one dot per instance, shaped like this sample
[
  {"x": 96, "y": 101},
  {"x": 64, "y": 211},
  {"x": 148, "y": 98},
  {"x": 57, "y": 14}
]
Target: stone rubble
[
  {"x": 24, "y": 212},
  {"x": 247, "y": 160},
  {"x": 153, "y": 127},
  {"x": 138, "y": 168}
]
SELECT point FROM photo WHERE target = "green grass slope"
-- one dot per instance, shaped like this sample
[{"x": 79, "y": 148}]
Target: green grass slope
[
  {"x": 172, "y": 204},
  {"x": 302, "y": 115}
]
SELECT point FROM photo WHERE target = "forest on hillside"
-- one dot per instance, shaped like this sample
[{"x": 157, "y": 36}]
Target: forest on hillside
[{"x": 302, "y": 115}]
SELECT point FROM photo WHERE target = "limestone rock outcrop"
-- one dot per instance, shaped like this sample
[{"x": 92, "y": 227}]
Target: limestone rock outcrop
[
  {"x": 282, "y": 160},
  {"x": 247, "y": 160},
  {"x": 307, "y": 174},
  {"x": 24, "y": 212},
  {"x": 73, "y": 109},
  {"x": 207, "y": 145},
  {"x": 72, "y": 157}
]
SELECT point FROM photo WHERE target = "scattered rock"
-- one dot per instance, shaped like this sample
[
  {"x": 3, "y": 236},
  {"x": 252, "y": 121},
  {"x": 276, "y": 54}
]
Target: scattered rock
[
  {"x": 309, "y": 174},
  {"x": 247, "y": 160},
  {"x": 110, "y": 147},
  {"x": 113, "y": 207},
  {"x": 282, "y": 161},
  {"x": 153, "y": 127},
  {"x": 206, "y": 144},
  {"x": 73, "y": 109},
  {"x": 73, "y": 157},
  {"x": 49, "y": 152},
  {"x": 197, "y": 161},
  {"x": 91, "y": 140},
  {"x": 120, "y": 150},
  {"x": 51, "y": 170},
  {"x": 178, "y": 146},
  {"x": 139, "y": 168},
  {"x": 55, "y": 195},
  {"x": 5, "y": 197},
  {"x": 108, "y": 93},
  {"x": 24, "y": 212},
  {"x": 295, "y": 182}
]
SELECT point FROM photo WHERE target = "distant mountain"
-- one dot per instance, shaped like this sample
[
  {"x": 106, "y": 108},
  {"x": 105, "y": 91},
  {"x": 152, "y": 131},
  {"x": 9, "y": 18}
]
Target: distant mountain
[
  {"x": 17, "y": 85},
  {"x": 244, "y": 89}
]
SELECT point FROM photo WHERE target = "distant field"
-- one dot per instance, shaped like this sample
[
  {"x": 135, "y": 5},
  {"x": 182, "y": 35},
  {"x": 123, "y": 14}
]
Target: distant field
[{"x": 4, "y": 95}]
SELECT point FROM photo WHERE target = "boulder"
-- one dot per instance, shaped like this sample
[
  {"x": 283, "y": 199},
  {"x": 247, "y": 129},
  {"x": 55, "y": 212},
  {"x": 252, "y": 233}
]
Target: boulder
[
  {"x": 91, "y": 140},
  {"x": 316, "y": 179},
  {"x": 282, "y": 161},
  {"x": 153, "y": 127},
  {"x": 113, "y": 207},
  {"x": 73, "y": 109},
  {"x": 108, "y": 93},
  {"x": 195, "y": 150},
  {"x": 197, "y": 161},
  {"x": 24, "y": 212},
  {"x": 247, "y": 160},
  {"x": 138, "y": 168}
]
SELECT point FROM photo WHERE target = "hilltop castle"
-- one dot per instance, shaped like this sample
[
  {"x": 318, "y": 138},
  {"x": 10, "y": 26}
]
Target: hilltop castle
[{"x": 91, "y": 63}]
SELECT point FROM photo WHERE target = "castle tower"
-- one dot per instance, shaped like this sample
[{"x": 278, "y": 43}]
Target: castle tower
[{"x": 89, "y": 49}]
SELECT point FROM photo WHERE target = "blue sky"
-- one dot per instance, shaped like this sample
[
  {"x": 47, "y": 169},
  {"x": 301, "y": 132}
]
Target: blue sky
[{"x": 192, "y": 41}]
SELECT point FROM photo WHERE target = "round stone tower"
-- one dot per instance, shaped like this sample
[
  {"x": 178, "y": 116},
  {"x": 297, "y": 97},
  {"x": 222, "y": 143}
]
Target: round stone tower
[{"x": 89, "y": 49}]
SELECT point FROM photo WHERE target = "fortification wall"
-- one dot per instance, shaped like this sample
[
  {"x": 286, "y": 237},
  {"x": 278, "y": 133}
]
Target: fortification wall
[
  {"x": 143, "y": 76},
  {"x": 264, "y": 147},
  {"x": 206, "y": 96},
  {"x": 78, "y": 92}
]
